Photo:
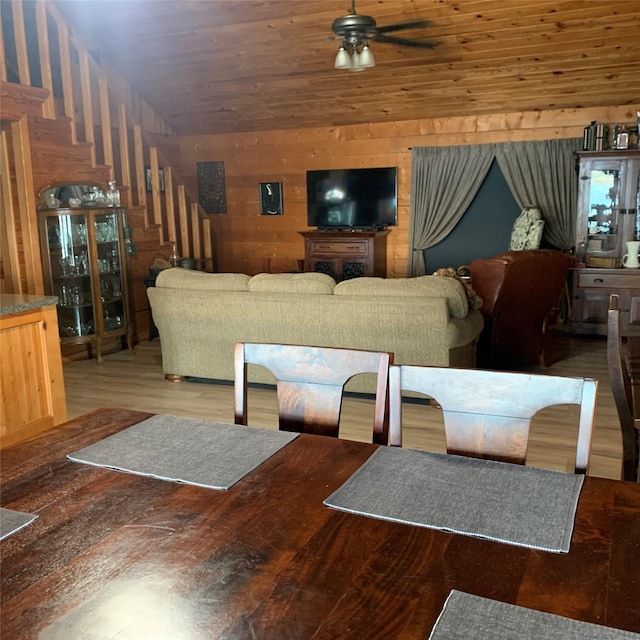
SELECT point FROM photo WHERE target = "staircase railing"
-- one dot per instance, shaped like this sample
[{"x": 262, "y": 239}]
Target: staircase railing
[{"x": 37, "y": 48}]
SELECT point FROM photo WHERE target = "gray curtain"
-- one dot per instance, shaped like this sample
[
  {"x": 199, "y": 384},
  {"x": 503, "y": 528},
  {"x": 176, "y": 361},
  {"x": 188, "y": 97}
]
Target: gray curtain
[
  {"x": 444, "y": 181},
  {"x": 543, "y": 173}
]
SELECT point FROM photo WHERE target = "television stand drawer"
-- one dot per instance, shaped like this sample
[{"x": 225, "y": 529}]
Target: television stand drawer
[{"x": 353, "y": 247}]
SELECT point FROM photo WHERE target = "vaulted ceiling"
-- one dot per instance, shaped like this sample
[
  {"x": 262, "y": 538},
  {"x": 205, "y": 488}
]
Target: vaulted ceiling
[{"x": 220, "y": 66}]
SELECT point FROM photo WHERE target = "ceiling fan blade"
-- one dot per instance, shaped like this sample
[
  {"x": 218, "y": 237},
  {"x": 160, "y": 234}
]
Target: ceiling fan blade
[
  {"x": 412, "y": 24},
  {"x": 405, "y": 42}
]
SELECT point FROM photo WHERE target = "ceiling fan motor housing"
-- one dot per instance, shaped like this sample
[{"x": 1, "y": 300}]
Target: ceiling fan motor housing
[{"x": 354, "y": 28}]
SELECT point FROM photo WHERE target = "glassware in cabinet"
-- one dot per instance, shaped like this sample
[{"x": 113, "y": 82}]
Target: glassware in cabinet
[{"x": 110, "y": 251}]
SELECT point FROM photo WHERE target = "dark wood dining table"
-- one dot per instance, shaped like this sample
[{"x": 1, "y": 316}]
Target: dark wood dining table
[{"x": 117, "y": 555}]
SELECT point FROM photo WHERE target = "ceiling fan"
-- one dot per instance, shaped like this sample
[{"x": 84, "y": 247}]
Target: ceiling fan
[{"x": 356, "y": 30}]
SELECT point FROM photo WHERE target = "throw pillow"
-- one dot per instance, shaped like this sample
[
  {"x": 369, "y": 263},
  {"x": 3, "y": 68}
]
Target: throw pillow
[
  {"x": 535, "y": 235},
  {"x": 525, "y": 230}
]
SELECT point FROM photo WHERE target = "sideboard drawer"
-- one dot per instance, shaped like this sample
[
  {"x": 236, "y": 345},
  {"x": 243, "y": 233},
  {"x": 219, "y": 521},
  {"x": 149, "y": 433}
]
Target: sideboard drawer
[
  {"x": 357, "y": 247},
  {"x": 608, "y": 280}
]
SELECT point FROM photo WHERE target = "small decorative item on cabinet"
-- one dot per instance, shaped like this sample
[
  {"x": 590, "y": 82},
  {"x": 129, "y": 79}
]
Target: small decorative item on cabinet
[
  {"x": 604, "y": 263},
  {"x": 630, "y": 259},
  {"x": 52, "y": 202},
  {"x": 595, "y": 137},
  {"x": 622, "y": 138},
  {"x": 84, "y": 264},
  {"x": 113, "y": 195}
]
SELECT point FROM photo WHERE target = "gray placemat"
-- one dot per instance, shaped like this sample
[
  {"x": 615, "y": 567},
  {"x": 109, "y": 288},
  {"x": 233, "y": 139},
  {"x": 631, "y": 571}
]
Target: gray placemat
[
  {"x": 207, "y": 454},
  {"x": 510, "y": 503},
  {"x": 12, "y": 521},
  {"x": 469, "y": 617}
]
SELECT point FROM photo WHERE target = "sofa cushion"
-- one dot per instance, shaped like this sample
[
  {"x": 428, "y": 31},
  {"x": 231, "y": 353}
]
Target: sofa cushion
[
  {"x": 316, "y": 283},
  {"x": 179, "y": 278},
  {"x": 422, "y": 286}
]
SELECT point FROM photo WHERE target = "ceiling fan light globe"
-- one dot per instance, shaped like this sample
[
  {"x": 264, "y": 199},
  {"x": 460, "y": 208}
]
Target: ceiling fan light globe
[
  {"x": 343, "y": 61},
  {"x": 355, "y": 62},
  {"x": 366, "y": 57}
]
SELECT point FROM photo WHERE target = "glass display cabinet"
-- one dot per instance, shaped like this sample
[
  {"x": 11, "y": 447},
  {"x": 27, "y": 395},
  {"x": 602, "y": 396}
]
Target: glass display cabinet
[
  {"x": 84, "y": 265},
  {"x": 608, "y": 206},
  {"x": 608, "y": 219}
]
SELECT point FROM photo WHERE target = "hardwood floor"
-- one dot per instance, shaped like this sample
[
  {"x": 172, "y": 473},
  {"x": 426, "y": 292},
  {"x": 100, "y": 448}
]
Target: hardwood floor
[{"x": 137, "y": 382}]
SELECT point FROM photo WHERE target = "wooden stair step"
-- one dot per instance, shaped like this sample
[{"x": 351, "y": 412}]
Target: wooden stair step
[
  {"x": 50, "y": 131},
  {"x": 43, "y": 153},
  {"x": 17, "y": 100},
  {"x": 59, "y": 174}
]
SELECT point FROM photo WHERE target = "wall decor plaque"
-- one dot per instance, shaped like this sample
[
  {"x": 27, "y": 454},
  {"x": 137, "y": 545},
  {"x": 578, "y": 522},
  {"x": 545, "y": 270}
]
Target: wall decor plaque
[
  {"x": 271, "y": 198},
  {"x": 211, "y": 188}
]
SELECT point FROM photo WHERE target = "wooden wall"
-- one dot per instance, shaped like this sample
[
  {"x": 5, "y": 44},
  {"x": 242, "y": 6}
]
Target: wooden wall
[{"x": 243, "y": 237}]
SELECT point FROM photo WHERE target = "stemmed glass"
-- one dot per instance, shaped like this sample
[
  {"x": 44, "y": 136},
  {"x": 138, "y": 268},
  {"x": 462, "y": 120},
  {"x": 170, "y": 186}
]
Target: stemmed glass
[
  {"x": 67, "y": 264},
  {"x": 83, "y": 263}
]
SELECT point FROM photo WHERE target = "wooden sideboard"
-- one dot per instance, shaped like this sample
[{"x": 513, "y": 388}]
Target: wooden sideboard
[
  {"x": 32, "y": 397},
  {"x": 591, "y": 288},
  {"x": 346, "y": 254}
]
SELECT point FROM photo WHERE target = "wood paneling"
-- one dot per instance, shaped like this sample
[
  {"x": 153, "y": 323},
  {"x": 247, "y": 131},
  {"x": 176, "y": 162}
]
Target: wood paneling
[
  {"x": 18, "y": 100},
  {"x": 243, "y": 237},
  {"x": 222, "y": 67}
]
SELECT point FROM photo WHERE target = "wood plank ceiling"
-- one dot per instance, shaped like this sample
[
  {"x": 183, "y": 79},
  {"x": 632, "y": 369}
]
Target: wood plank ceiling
[{"x": 223, "y": 66}]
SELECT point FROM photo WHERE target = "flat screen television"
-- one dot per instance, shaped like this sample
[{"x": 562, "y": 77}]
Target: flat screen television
[{"x": 352, "y": 198}]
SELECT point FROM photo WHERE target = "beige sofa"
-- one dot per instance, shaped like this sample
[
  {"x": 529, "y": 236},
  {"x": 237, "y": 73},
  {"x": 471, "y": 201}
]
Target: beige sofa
[{"x": 200, "y": 316}]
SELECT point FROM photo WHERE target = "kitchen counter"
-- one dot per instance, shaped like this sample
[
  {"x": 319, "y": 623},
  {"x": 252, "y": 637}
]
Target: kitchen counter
[
  {"x": 19, "y": 302},
  {"x": 32, "y": 397}
]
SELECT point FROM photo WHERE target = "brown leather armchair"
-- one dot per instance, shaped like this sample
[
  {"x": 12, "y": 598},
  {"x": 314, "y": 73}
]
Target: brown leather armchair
[{"x": 521, "y": 291}]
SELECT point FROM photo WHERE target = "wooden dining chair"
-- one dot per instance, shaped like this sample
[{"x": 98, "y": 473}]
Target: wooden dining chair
[
  {"x": 487, "y": 414},
  {"x": 310, "y": 383},
  {"x": 620, "y": 381}
]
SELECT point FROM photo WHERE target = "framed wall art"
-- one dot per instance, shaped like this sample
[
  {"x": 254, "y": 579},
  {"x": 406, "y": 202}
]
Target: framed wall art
[
  {"x": 271, "y": 198},
  {"x": 147, "y": 178},
  {"x": 211, "y": 188}
]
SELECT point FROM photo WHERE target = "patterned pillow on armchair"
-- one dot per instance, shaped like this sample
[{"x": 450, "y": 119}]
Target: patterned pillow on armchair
[{"x": 527, "y": 230}]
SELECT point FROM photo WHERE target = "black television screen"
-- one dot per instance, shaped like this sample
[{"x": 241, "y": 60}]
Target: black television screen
[{"x": 352, "y": 198}]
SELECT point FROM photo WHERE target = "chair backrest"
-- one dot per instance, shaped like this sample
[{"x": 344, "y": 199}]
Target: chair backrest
[
  {"x": 310, "y": 383},
  {"x": 519, "y": 290},
  {"x": 487, "y": 414},
  {"x": 620, "y": 381}
]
